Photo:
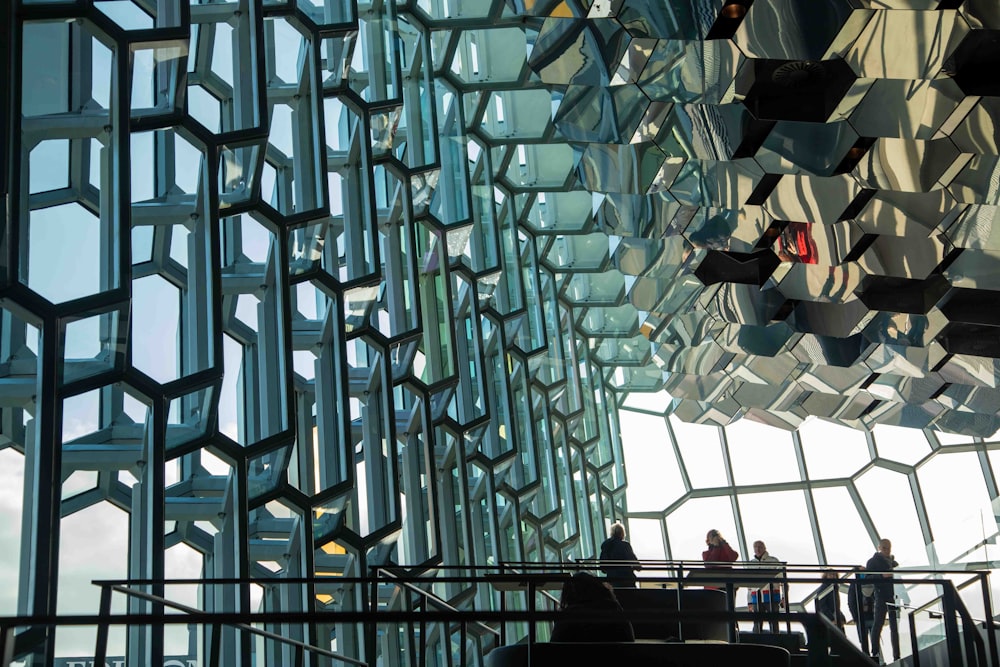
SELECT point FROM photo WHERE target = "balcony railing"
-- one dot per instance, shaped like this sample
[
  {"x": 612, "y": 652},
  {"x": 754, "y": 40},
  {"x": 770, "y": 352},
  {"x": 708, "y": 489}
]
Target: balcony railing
[{"x": 454, "y": 616}]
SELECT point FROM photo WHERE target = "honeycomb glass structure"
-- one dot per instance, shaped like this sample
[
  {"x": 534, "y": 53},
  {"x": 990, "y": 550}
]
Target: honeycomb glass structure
[{"x": 294, "y": 288}]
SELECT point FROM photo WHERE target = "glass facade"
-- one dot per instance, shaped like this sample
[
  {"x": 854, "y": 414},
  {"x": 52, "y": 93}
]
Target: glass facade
[{"x": 294, "y": 288}]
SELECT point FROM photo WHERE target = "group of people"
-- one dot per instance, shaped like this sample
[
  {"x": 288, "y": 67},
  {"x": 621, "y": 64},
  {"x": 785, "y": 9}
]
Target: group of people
[
  {"x": 869, "y": 597},
  {"x": 762, "y": 600}
]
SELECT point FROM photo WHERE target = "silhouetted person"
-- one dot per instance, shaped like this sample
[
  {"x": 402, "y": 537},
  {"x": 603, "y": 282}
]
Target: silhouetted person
[
  {"x": 585, "y": 592},
  {"x": 860, "y": 604},
  {"x": 828, "y": 600},
  {"x": 618, "y": 561},
  {"x": 879, "y": 568}
]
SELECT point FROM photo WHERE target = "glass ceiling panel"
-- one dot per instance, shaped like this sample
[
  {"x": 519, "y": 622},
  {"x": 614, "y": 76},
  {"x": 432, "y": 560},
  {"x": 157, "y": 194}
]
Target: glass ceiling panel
[
  {"x": 687, "y": 526},
  {"x": 701, "y": 453},
  {"x": 890, "y": 503},
  {"x": 831, "y": 450},
  {"x": 844, "y": 535},
  {"x": 646, "y": 537},
  {"x": 760, "y": 455},
  {"x": 781, "y": 521},
  {"x": 956, "y": 510},
  {"x": 900, "y": 444},
  {"x": 654, "y": 476}
]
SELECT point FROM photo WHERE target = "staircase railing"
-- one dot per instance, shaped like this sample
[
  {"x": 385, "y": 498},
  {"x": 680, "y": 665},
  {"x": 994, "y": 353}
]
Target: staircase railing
[{"x": 462, "y": 625}]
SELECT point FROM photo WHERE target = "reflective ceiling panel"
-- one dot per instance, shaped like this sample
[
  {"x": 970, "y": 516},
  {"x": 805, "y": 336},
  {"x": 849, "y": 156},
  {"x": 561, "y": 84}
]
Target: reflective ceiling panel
[{"x": 831, "y": 167}]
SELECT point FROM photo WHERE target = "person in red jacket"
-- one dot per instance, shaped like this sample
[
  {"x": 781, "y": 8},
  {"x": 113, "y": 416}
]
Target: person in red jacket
[{"x": 719, "y": 553}]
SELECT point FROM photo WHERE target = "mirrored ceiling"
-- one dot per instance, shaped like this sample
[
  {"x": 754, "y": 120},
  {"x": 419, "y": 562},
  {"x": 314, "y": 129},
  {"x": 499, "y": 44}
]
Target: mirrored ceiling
[{"x": 793, "y": 201}]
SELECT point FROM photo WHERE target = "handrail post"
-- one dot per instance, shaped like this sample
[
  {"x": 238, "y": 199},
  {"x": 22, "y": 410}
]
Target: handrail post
[
  {"x": 951, "y": 624},
  {"x": 991, "y": 628},
  {"x": 970, "y": 645},
  {"x": 730, "y": 610},
  {"x": 975, "y": 649},
  {"x": 784, "y": 597},
  {"x": 503, "y": 624},
  {"x": 6, "y": 645},
  {"x": 371, "y": 627},
  {"x": 422, "y": 656},
  {"x": 214, "y": 648},
  {"x": 101, "y": 643},
  {"x": 914, "y": 649},
  {"x": 818, "y": 648},
  {"x": 680, "y": 594},
  {"x": 463, "y": 638},
  {"x": 532, "y": 630},
  {"x": 859, "y": 600}
]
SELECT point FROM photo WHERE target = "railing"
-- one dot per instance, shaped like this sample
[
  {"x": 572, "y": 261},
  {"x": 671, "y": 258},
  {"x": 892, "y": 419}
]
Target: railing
[
  {"x": 962, "y": 637},
  {"x": 938, "y": 609},
  {"x": 823, "y": 636},
  {"x": 495, "y": 605}
]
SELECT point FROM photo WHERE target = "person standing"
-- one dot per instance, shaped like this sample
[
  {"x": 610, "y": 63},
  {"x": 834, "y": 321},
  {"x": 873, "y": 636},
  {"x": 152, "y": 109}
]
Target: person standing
[
  {"x": 828, "y": 599},
  {"x": 859, "y": 603},
  {"x": 767, "y": 598},
  {"x": 879, "y": 568},
  {"x": 618, "y": 561},
  {"x": 719, "y": 555},
  {"x": 719, "y": 552}
]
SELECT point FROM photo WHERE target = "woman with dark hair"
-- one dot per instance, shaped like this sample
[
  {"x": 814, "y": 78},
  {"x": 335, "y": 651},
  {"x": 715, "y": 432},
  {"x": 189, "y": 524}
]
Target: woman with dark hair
[
  {"x": 585, "y": 592},
  {"x": 861, "y": 605},
  {"x": 828, "y": 599}
]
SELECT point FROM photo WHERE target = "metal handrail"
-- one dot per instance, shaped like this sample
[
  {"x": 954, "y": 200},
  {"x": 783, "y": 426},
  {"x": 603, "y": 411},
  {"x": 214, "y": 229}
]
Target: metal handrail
[
  {"x": 532, "y": 577},
  {"x": 437, "y": 601},
  {"x": 818, "y": 627},
  {"x": 973, "y": 640},
  {"x": 546, "y": 594},
  {"x": 242, "y": 626}
]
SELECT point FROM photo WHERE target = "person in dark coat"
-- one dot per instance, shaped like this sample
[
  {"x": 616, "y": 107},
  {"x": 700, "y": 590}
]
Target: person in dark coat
[
  {"x": 859, "y": 603},
  {"x": 880, "y": 568},
  {"x": 618, "y": 561},
  {"x": 828, "y": 599},
  {"x": 585, "y": 592}
]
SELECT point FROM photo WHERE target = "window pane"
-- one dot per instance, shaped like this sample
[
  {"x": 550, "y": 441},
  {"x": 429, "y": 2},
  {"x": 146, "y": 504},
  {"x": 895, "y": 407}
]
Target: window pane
[
  {"x": 686, "y": 528},
  {"x": 654, "y": 479},
  {"x": 888, "y": 499},
  {"x": 761, "y": 454},
  {"x": 956, "y": 511},
  {"x": 646, "y": 537},
  {"x": 781, "y": 521},
  {"x": 906, "y": 445},
  {"x": 832, "y": 450},
  {"x": 702, "y": 453},
  {"x": 845, "y": 539}
]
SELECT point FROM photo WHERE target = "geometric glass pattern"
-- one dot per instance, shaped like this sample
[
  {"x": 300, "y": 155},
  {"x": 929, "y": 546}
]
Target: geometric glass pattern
[{"x": 293, "y": 288}]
